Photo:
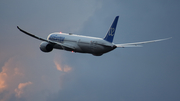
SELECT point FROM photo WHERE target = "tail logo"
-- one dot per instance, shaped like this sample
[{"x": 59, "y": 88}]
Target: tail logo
[{"x": 111, "y": 32}]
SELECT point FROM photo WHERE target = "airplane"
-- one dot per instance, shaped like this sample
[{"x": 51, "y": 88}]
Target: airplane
[{"x": 84, "y": 44}]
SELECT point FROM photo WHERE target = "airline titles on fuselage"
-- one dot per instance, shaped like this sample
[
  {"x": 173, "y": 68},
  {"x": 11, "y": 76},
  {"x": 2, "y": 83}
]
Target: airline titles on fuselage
[{"x": 56, "y": 38}]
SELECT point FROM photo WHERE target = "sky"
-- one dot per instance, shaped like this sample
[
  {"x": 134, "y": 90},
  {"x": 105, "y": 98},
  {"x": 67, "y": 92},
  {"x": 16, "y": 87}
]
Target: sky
[{"x": 149, "y": 73}]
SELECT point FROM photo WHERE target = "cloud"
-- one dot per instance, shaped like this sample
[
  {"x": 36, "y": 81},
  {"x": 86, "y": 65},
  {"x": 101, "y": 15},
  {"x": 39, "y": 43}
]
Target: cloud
[
  {"x": 10, "y": 76},
  {"x": 11, "y": 72},
  {"x": 2, "y": 82},
  {"x": 58, "y": 67},
  {"x": 22, "y": 81},
  {"x": 65, "y": 68},
  {"x": 19, "y": 91}
]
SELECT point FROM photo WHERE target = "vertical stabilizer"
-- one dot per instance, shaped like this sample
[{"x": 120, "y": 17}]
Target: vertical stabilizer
[{"x": 110, "y": 35}]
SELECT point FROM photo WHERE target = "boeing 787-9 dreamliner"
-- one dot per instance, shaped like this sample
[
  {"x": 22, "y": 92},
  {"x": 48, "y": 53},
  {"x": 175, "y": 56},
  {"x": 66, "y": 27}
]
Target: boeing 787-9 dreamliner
[{"x": 84, "y": 44}]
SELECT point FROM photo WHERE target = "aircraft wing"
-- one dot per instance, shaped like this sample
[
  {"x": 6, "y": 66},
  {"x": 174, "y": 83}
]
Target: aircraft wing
[
  {"x": 32, "y": 35},
  {"x": 138, "y": 44},
  {"x": 51, "y": 42}
]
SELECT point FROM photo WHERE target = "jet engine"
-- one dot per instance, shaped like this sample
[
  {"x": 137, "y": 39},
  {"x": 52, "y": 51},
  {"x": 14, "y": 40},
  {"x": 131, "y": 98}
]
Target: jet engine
[{"x": 46, "y": 47}]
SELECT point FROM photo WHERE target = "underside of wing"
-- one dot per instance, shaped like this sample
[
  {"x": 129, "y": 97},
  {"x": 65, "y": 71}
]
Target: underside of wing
[
  {"x": 50, "y": 42},
  {"x": 138, "y": 44},
  {"x": 32, "y": 35}
]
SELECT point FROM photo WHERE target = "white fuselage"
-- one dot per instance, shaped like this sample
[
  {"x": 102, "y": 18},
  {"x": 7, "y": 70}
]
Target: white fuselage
[{"x": 82, "y": 44}]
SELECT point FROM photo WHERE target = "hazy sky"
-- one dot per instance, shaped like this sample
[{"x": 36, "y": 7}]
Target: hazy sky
[{"x": 149, "y": 73}]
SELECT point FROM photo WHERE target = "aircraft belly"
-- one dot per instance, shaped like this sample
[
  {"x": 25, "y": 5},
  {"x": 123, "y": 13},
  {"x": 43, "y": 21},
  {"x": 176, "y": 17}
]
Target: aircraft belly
[
  {"x": 57, "y": 46},
  {"x": 85, "y": 47},
  {"x": 97, "y": 49}
]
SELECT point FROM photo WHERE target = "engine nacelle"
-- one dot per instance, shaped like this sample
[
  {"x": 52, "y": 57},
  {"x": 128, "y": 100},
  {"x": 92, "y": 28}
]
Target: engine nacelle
[{"x": 46, "y": 47}]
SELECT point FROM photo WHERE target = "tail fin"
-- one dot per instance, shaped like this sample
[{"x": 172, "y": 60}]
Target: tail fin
[{"x": 110, "y": 35}]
